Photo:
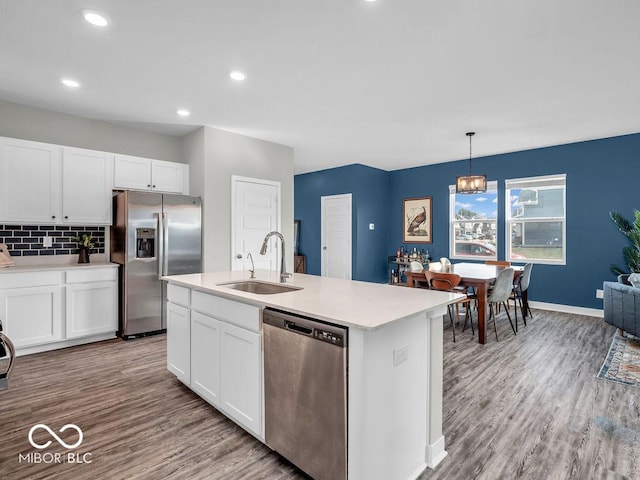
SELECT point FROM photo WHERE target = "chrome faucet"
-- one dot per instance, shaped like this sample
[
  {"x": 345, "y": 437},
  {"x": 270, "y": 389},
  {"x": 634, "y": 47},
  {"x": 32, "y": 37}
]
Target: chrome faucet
[
  {"x": 253, "y": 267},
  {"x": 283, "y": 268}
]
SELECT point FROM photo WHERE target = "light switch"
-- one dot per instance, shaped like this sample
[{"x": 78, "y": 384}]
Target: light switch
[
  {"x": 47, "y": 242},
  {"x": 372, "y": 226}
]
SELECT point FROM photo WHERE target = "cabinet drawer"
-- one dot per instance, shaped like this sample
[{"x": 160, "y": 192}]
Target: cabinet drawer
[
  {"x": 179, "y": 295},
  {"x": 92, "y": 275},
  {"x": 30, "y": 279},
  {"x": 237, "y": 313}
]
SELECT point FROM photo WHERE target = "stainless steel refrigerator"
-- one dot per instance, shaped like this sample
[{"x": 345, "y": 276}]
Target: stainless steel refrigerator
[{"x": 152, "y": 235}]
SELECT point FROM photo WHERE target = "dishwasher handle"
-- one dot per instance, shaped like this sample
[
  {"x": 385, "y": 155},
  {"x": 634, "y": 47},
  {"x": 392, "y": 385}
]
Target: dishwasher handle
[
  {"x": 336, "y": 335},
  {"x": 298, "y": 328}
]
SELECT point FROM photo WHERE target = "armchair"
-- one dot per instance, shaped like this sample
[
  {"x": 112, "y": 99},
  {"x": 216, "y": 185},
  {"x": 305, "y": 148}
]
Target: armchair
[{"x": 622, "y": 306}]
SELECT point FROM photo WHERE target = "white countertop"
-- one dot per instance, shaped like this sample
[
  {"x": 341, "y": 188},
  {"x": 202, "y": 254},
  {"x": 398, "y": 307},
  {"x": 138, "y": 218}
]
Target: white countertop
[
  {"x": 56, "y": 262},
  {"x": 349, "y": 303}
]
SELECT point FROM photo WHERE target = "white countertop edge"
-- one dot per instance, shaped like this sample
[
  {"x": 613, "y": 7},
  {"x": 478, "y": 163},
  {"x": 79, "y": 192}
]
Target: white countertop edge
[
  {"x": 55, "y": 266},
  {"x": 287, "y": 301}
]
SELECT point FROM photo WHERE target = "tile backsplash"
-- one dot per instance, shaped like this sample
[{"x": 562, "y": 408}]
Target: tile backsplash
[{"x": 27, "y": 240}]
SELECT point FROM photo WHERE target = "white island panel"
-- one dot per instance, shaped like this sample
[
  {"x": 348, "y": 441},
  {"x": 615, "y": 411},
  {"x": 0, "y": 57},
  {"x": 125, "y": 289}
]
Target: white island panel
[{"x": 395, "y": 362}]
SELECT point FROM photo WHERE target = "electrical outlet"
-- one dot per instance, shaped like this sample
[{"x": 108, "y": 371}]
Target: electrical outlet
[
  {"x": 47, "y": 242},
  {"x": 599, "y": 293},
  {"x": 400, "y": 355}
]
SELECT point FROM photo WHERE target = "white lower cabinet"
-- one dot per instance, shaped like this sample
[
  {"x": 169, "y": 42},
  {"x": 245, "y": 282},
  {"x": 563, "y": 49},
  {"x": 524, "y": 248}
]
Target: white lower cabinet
[
  {"x": 91, "y": 302},
  {"x": 179, "y": 342},
  {"x": 32, "y": 316},
  {"x": 205, "y": 357},
  {"x": 225, "y": 353},
  {"x": 241, "y": 376},
  {"x": 49, "y": 309}
]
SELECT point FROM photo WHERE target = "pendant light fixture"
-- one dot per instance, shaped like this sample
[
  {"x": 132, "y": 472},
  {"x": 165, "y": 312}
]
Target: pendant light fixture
[{"x": 471, "y": 183}]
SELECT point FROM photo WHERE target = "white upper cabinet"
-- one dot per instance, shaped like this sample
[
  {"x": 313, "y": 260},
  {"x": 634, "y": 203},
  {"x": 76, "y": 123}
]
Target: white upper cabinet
[
  {"x": 29, "y": 181},
  {"x": 86, "y": 186},
  {"x": 137, "y": 173},
  {"x": 42, "y": 183},
  {"x": 169, "y": 176},
  {"x": 132, "y": 173}
]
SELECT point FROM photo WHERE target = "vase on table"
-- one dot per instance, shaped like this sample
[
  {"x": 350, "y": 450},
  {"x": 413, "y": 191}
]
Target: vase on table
[{"x": 83, "y": 256}]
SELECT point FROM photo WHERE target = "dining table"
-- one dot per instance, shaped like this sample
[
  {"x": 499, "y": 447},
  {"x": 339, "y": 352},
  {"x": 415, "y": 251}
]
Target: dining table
[{"x": 476, "y": 275}]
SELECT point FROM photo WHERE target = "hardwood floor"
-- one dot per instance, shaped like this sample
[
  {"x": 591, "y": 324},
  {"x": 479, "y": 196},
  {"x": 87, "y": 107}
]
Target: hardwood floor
[{"x": 526, "y": 407}]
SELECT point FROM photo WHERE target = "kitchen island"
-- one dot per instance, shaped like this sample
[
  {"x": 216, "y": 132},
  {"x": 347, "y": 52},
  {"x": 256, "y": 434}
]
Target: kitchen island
[{"x": 394, "y": 408}]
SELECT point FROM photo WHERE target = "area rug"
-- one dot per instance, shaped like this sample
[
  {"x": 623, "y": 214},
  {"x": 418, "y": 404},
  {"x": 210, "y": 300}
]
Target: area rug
[{"x": 622, "y": 364}]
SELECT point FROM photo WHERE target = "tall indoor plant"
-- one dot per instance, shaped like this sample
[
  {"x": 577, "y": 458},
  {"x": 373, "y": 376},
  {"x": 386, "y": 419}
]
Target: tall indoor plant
[{"x": 631, "y": 252}]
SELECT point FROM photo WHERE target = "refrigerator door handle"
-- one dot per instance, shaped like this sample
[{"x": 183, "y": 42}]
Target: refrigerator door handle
[
  {"x": 160, "y": 231},
  {"x": 165, "y": 246}
]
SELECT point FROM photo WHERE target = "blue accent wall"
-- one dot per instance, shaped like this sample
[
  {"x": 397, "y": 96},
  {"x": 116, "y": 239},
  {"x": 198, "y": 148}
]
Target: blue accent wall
[
  {"x": 369, "y": 188},
  {"x": 602, "y": 175}
]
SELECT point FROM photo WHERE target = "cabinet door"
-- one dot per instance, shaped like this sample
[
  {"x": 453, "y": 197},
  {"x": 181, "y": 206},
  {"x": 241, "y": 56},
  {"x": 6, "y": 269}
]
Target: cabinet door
[
  {"x": 29, "y": 182},
  {"x": 178, "y": 342},
  {"x": 241, "y": 377},
  {"x": 205, "y": 357},
  {"x": 87, "y": 179},
  {"x": 132, "y": 173},
  {"x": 167, "y": 176},
  {"x": 32, "y": 316},
  {"x": 91, "y": 308}
]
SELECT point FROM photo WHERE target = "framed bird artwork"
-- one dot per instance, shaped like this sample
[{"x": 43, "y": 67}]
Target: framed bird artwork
[{"x": 416, "y": 214}]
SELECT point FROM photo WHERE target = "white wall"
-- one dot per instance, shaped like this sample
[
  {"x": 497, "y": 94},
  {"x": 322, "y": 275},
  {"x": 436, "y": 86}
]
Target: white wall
[
  {"x": 226, "y": 154},
  {"x": 28, "y": 123}
]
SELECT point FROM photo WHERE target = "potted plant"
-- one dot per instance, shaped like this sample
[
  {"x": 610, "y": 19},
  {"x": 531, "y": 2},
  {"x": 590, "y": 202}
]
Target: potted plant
[
  {"x": 631, "y": 252},
  {"x": 85, "y": 244}
]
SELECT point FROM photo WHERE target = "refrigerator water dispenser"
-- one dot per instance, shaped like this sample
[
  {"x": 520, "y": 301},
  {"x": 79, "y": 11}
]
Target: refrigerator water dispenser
[{"x": 145, "y": 242}]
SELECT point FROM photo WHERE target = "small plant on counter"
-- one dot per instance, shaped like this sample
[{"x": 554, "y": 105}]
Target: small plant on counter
[{"x": 84, "y": 241}]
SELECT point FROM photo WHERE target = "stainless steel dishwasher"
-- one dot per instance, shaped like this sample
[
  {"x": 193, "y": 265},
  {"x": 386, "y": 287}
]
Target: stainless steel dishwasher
[{"x": 305, "y": 381}]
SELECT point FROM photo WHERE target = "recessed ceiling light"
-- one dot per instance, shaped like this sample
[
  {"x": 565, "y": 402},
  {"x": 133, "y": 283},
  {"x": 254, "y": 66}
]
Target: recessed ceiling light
[
  {"x": 95, "y": 18},
  {"x": 183, "y": 113},
  {"x": 237, "y": 75},
  {"x": 70, "y": 83}
]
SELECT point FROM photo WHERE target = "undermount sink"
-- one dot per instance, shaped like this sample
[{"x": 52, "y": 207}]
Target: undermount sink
[{"x": 259, "y": 288}]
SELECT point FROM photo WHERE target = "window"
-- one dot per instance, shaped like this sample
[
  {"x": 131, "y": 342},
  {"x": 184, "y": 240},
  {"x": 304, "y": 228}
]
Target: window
[
  {"x": 473, "y": 219},
  {"x": 535, "y": 216}
]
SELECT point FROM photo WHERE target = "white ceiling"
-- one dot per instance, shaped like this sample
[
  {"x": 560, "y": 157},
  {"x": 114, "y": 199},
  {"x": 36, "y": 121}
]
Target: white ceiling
[{"x": 390, "y": 84}]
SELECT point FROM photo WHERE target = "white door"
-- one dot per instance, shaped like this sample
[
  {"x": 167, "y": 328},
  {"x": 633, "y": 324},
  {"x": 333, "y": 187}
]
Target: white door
[
  {"x": 255, "y": 211},
  {"x": 336, "y": 236}
]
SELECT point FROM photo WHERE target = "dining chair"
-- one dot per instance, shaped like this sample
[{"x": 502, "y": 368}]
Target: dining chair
[
  {"x": 447, "y": 282},
  {"x": 521, "y": 285},
  {"x": 446, "y": 264},
  {"x": 502, "y": 288},
  {"x": 497, "y": 263}
]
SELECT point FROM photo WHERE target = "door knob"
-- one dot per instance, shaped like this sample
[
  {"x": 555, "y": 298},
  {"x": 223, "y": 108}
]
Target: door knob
[
  {"x": 239, "y": 255},
  {"x": 324, "y": 248}
]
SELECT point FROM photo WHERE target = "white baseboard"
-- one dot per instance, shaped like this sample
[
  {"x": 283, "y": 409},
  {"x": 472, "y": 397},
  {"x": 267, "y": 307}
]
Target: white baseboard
[
  {"x": 556, "y": 307},
  {"x": 63, "y": 344},
  {"x": 435, "y": 453}
]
